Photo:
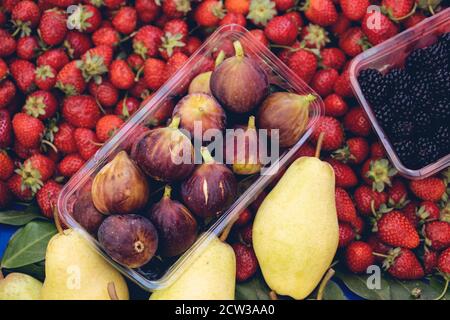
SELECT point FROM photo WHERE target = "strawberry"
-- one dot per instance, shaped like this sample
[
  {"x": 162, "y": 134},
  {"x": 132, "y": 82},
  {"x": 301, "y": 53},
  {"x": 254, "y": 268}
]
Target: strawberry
[
  {"x": 77, "y": 44},
  {"x": 6, "y": 166},
  {"x": 147, "y": 41},
  {"x": 314, "y": 37},
  {"x": 410, "y": 212},
  {"x": 344, "y": 174},
  {"x": 25, "y": 16},
  {"x": 403, "y": 264},
  {"x": 323, "y": 81},
  {"x": 81, "y": 111},
  {"x": 5, "y": 195},
  {"x": 342, "y": 86},
  {"x": 356, "y": 122},
  {"x": 378, "y": 28},
  {"x": 5, "y": 129},
  {"x": 246, "y": 234},
  {"x": 107, "y": 126},
  {"x": 346, "y": 234},
  {"x": 55, "y": 58},
  {"x": 41, "y": 104},
  {"x": 27, "y": 130},
  {"x": 47, "y": 197},
  {"x": 396, "y": 230},
  {"x": 147, "y": 10},
  {"x": 443, "y": 263},
  {"x": 261, "y": 12},
  {"x": 70, "y": 79},
  {"x": 364, "y": 197},
  {"x": 52, "y": 27},
  {"x": 86, "y": 142},
  {"x": 244, "y": 218},
  {"x": 246, "y": 262},
  {"x": 303, "y": 63},
  {"x": 355, "y": 151},
  {"x": 7, "y": 43},
  {"x": 378, "y": 246},
  {"x": 121, "y": 75},
  {"x": 106, "y": 36},
  {"x": 70, "y": 165},
  {"x": 397, "y": 194},
  {"x": 333, "y": 58},
  {"x": 321, "y": 12},
  {"x": 7, "y": 92},
  {"x": 35, "y": 171},
  {"x": 430, "y": 261},
  {"x": 398, "y": 9},
  {"x": 113, "y": 4},
  {"x": 378, "y": 173},
  {"x": 126, "y": 107},
  {"x": 16, "y": 187},
  {"x": 85, "y": 18},
  {"x": 95, "y": 61},
  {"x": 23, "y": 73},
  {"x": 296, "y": 17},
  {"x": 437, "y": 235},
  {"x": 354, "y": 9},
  {"x": 62, "y": 3},
  {"x": 428, "y": 211},
  {"x": 284, "y": 5},
  {"x": 135, "y": 61},
  {"x": 125, "y": 20},
  {"x": 45, "y": 77},
  {"x": 64, "y": 139},
  {"x": 105, "y": 93},
  {"x": 377, "y": 150},
  {"x": 306, "y": 150},
  {"x": 353, "y": 42},
  {"x": 177, "y": 26},
  {"x": 193, "y": 43},
  {"x": 233, "y": 18},
  {"x": 208, "y": 13},
  {"x": 176, "y": 8},
  {"x": 334, "y": 135},
  {"x": 359, "y": 225},
  {"x": 175, "y": 62},
  {"x": 414, "y": 19},
  {"x": 431, "y": 189},
  {"x": 345, "y": 208},
  {"x": 27, "y": 47},
  {"x": 281, "y": 30},
  {"x": 4, "y": 70},
  {"x": 359, "y": 257},
  {"x": 237, "y": 6}
]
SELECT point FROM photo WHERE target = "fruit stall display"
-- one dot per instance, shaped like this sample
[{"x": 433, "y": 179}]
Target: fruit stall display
[{"x": 73, "y": 72}]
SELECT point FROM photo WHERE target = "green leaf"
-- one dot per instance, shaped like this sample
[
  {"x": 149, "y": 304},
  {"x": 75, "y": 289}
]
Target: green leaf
[
  {"x": 438, "y": 284},
  {"x": 358, "y": 285},
  {"x": 403, "y": 290},
  {"x": 28, "y": 244},
  {"x": 333, "y": 292},
  {"x": 21, "y": 217},
  {"x": 36, "y": 270},
  {"x": 254, "y": 289}
]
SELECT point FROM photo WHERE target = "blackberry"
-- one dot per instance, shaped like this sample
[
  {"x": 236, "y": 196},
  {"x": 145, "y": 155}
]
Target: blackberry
[
  {"x": 401, "y": 129},
  {"x": 440, "y": 111},
  {"x": 440, "y": 82},
  {"x": 397, "y": 80},
  {"x": 442, "y": 137},
  {"x": 384, "y": 115},
  {"x": 373, "y": 85},
  {"x": 427, "y": 151},
  {"x": 406, "y": 151},
  {"x": 402, "y": 106},
  {"x": 438, "y": 55},
  {"x": 422, "y": 121},
  {"x": 419, "y": 92},
  {"x": 418, "y": 61},
  {"x": 445, "y": 40}
]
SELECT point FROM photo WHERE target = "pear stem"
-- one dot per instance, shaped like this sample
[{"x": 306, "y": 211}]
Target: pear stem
[
  {"x": 1, "y": 275},
  {"x": 112, "y": 291},
  {"x": 319, "y": 144},
  {"x": 57, "y": 221},
  {"x": 444, "y": 291},
  {"x": 324, "y": 283},
  {"x": 238, "y": 49},
  {"x": 219, "y": 59},
  {"x": 227, "y": 230},
  {"x": 251, "y": 123},
  {"x": 175, "y": 123},
  {"x": 273, "y": 295},
  {"x": 207, "y": 158},
  {"x": 167, "y": 191}
]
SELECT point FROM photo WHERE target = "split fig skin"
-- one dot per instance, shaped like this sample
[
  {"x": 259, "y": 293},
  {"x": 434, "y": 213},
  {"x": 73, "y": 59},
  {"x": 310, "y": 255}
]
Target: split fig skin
[
  {"x": 177, "y": 228},
  {"x": 287, "y": 112},
  {"x": 84, "y": 211},
  {"x": 239, "y": 83},
  {"x": 165, "y": 154},
  {"x": 130, "y": 239},
  {"x": 120, "y": 187},
  {"x": 202, "y": 109},
  {"x": 211, "y": 188}
]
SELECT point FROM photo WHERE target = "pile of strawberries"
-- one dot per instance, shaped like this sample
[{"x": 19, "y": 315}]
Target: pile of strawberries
[{"x": 71, "y": 73}]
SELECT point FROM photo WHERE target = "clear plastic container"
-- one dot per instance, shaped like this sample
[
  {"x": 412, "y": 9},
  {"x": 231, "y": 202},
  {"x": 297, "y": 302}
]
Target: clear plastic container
[
  {"x": 279, "y": 75},
  {"x": 392, "y": 54}
]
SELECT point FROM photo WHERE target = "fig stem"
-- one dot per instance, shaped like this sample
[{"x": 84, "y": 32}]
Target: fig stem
[
  {"x": 251, "y": 123},
  {"x": 273, "y": 295},
  {"x": 238, "y": 49},
  {"x": 175, "y": 123},
  {"x": 57, "y": 221},
  {"x": 220, "y": 58},
  {"x": 112, "y": 291},
  {"x": 324, "y": 283},
  {"x": 206, "y": 155},
  {"x": 319, "y": 144},
  {"x": 167, "y": 191}
]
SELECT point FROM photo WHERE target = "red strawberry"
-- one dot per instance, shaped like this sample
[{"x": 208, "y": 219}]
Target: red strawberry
[
  {"x": 55, "y": 58},
  {"x": 296, "y": 17},
  {"x": 378, "y": 27},
  {"x": 95, "y": 61},
  {"x": 321, "y": 12},
  {"x": 45, "y": 77},
  {"x": 5, "y": 195},
  {"x": 414, "y": 19},
  {"x": 126, "y": 107},
  {"x": 314, "y": 37},
  {"x": 345, "y": 208},
  {"x": 397, "y": 194},
  {"x": 209, "y": 13},
  {"x": 77, "y": 44},
  {"x": 342, "y": 86},
  {"x": 70, "y": 79},
  {"x": 86, "y": 142},
  {"x": 356, "y": 122},
  {"x": 359, "y": 257},
  {"x": 106, "y": 36},
  {"x": 25, "y": 16},
  {"x": 332, "y": 58},
  {"x": 28, "y": 130},
  {"x": 147, "y": 41},
  {"x": 246, "y": 263},
  {"x": 430, "y": 261},
  {"x": 444, "y": 263},
  {"x": 7, "y": 43},
  {"x": 53, "y": 27},
  {"x": 378, "y": 246},
  {"x": 175, "y": 62},
  {"x": 6, "y": 166},
  {"x": 5, "y": 129},
  {"x": 135, "y": 61},
  {"x": 403, "y": 264},
  {"x": 16, "y": 187},
  {"x": 193, "y": 43},
  {"x": 378, "y": 173},
  {"x": 431, "y": 189},
  {"x": 105, "y": 93},
  {"x": 354, "y": 9},
  {"x": 121, "y": 75},
  {"x": 125, "y": 20},
  {"x": 23, "y": 73},
  {"x": 334, "y": 135},
  {"x": 344, "y": 174},
  {"x": 4, "y": 70},
  {"x": 107, "y": 126},
  {"x": 237, "y": 6},
  {"x": 364, "y": 196},
  {"x": 284, "y": 5},
  {"x": 377, "y": 150},
  {"x": 147, "y": 10},
  {"x": 355, "y": 151},
  {"x": 307, "y": 150},
  {"x": 41, "y": 104},
  {"x": 281, "y": 30},
  {"x": 410, "y": 212},
  {"x": 35, "y": 171},
  {"x": 353, "y": 42},
  {"x": 437, "y": 235},
  {"x": 64, "y": 139},
  {"x": 176, "y": 8},
  {"x": 85, "y": 18},
  {"x": 62, "y": 3},
  {"x": 7, "y": 92},
  {"x": 154, "y": 73},
  {"x": 398, "y": 9},
  {"x": 303, "y": 63},
  {"x": 70, "y": 165},
  {"x": 81, "y": 111},
  {"x": 428, "y": 211},
  {"x": 27, "y": 47},
  {"x": 47, "y": 197},
  {"x": 396, "y": 230},
  {"x": 113, "y": 4},
  {"x": 244, "y": 218},
  {"x": 323, "y": 81},
  {"x": 346, "y": 234}
]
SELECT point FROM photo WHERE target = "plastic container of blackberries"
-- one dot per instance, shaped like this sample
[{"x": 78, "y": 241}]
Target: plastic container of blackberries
[
  {"x": 392, "y": 54},
  {"x": 161, "y": 272}
]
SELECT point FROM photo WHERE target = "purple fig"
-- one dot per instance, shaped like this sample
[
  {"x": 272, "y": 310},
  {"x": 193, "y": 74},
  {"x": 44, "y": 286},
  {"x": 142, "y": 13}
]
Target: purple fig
[{"x": 84, "y": 211}]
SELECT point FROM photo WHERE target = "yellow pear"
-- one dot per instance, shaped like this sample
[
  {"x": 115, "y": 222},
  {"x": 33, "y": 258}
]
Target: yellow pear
[
  {"x": 295, "y": 233},
  {"x": 19, "y": 286},
  {"x": 74, "y": 271},
  {"x": 212, "y": 276}
]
